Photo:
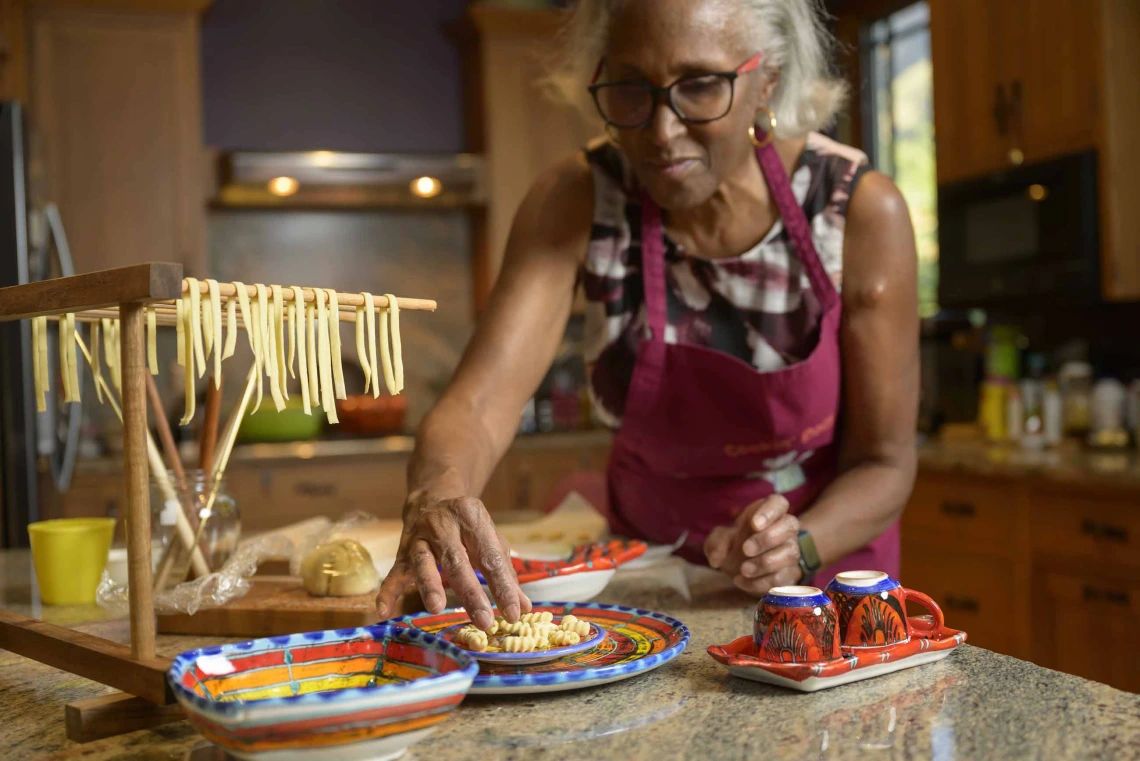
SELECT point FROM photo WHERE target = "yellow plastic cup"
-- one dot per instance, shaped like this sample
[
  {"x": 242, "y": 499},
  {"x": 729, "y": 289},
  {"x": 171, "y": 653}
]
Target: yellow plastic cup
[{"x": 70, "y": 555}]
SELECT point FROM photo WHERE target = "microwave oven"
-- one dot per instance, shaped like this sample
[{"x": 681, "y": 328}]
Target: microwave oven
[{"x": 1024, "y": 235}]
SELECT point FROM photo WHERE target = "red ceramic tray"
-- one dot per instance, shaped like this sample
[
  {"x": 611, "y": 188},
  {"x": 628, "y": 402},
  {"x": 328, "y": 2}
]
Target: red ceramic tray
[{"x": 738, "y": 657}]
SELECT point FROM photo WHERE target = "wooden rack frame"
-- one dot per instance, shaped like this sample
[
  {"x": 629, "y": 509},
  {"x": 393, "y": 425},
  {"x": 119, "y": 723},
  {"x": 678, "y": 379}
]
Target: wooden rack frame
[{"x": 122, "y": 293}]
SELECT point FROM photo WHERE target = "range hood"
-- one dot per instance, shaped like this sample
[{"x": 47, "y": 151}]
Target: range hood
[{"x": 332, "y": 179}]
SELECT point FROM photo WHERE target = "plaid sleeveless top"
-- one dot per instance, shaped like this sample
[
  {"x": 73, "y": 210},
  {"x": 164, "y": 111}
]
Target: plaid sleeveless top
[{"x": 757, "y": 306}]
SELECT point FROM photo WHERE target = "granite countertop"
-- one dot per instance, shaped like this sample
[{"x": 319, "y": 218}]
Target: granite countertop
[
  {"x": 973, "y": 705},
  {"x": 1068, "y": 464}
]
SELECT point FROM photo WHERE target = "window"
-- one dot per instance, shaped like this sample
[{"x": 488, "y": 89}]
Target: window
[{"x": 898, "y": 108}]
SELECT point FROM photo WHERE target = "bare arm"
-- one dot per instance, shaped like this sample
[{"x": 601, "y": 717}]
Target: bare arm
[
  {"x": 879, "y": 342},
  {"x": 466, "y": 433},
  {"x": 879, "y": 338}
]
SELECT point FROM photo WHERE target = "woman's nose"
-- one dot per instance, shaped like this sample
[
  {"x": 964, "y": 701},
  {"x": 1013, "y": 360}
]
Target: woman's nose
[{"x": 664, "y": 125}]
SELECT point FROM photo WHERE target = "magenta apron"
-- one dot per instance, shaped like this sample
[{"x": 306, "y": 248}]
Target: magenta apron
[{"x": 705, "y": 434}]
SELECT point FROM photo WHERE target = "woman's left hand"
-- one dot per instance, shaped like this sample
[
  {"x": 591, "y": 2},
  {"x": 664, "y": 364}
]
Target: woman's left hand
[{"x": 760, "y": 550}]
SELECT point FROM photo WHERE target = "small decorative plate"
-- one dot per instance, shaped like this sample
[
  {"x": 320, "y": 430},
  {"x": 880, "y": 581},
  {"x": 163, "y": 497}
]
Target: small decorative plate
[
  {"x": 525, "y": 659},
  {"x": 856, "y": 664},
  {"x": 636, "y": 641}
]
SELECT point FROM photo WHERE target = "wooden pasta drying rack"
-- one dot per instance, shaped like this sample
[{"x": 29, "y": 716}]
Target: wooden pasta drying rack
[{"x": 124, "y": 293}]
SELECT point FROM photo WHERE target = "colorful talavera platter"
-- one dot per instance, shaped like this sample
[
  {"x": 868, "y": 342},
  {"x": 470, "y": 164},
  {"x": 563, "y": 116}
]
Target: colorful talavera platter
[
  {"x": 636, "y": 641},
  {"x": 597, "y": 634},
  {"x": 856, "y": 664},
  {"x": 344, "y": 694}
]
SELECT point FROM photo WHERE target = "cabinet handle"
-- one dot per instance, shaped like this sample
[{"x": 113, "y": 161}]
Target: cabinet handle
[
  {"x": 959, "y": 509},
  {"x": 1001, "y": 110},
  {"x": 963, "y": 603},
  {"x": 312, "y": 489},
  {"x": 1098, "y": 530},
  {"x": 1114, "y": 596}
]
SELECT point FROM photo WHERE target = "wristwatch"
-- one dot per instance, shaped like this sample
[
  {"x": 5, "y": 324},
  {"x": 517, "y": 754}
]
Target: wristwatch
[{"x": 809, "y": 556}]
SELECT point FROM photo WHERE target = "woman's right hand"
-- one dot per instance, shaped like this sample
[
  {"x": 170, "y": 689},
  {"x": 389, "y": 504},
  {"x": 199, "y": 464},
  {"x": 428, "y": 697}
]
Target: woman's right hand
[{"x": 455, "y": 534}]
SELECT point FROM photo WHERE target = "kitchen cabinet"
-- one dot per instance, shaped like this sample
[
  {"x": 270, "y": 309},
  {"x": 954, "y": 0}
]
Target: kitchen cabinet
[
  {"x": 1014, "y": 81},
  {"x": 1087, "y": 625},
  {"x": 278, "y": 491},
  {"x": 13, "y": 66},
  {"x": 1047, "y": 571},
  {"x": 519, "y": 130},
  {"x": 1022, "y": 81},
  {"x": 116, "y": 103}
]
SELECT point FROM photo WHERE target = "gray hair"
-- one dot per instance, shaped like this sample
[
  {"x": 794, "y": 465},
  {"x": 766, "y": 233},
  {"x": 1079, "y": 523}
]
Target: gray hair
[{"x": 797, "y": 51}]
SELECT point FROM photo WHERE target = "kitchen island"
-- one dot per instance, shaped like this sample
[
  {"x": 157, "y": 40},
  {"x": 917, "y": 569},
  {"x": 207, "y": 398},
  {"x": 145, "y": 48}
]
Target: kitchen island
[{"x": 973, "y": 705}]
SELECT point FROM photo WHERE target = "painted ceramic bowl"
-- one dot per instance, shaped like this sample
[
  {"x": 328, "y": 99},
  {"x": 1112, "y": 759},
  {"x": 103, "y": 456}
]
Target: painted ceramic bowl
[
  {"x": 796, "y": 624},
  {"x": 344, "y": 694}
]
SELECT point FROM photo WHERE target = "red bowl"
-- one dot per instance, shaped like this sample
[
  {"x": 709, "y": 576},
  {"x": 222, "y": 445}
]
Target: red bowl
[{"x": 364, "y": 415}]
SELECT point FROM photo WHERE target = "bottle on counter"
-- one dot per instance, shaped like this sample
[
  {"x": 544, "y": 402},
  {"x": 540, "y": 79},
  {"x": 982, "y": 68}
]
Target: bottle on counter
[
  {"x": 1014, "y": 415},
  {"x": 991, "y": 410},
  {"x": 1075, "y": 380},
  {"x": 1033, "y": 423},
  {"x": 1052, "y": 414}
]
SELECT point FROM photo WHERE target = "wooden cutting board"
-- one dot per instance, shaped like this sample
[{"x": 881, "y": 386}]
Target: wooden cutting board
[{"x": 279, "y": 605}]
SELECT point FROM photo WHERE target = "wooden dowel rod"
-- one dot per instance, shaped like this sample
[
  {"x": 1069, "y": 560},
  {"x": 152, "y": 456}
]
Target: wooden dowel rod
[
  {"x": 350, "y": 299},
  {"x": 132, "y": 352},
  {"x": 166, "y": 316}
]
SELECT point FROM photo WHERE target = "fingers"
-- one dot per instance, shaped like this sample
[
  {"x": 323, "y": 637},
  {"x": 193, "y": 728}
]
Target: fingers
[
  {"x": 760, "y": 586},
  {"x": 782, "y": 530},
  {"x": 781, "y": 556},
  {"x": 421, "y": 559},
  {"x": 456, "y": 564},
  {"x": 485, "y": 546},
  {"x": 717, "y": 545},
  {"x": 763, "y": 513},
  {"x": 395, "y": 584}
]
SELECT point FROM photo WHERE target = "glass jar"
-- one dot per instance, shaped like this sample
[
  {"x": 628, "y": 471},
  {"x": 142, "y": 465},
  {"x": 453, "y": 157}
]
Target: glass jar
[{"x": 222, "y": 531}]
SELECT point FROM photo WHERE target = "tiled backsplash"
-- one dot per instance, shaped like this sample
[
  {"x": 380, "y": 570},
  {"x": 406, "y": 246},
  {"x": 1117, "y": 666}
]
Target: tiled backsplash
[{"x": 424, "y": 254}]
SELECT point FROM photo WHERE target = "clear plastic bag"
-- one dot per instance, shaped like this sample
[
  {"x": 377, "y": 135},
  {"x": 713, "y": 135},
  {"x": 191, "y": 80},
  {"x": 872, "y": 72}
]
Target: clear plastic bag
[{"x": 231, "y": 581}]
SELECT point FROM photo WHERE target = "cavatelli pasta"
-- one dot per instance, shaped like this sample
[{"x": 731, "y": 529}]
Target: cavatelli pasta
[
  {"x": 520, "y": 644},
  {"x": 472, "y": 639},
  {"x": 544, "y": 617},
  {"x": 559, "y": 638},
  {"x": 574, "y": 624}
]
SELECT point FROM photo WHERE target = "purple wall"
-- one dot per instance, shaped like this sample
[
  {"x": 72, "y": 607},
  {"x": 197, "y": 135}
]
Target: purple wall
[{"x": 351, "y": 75}]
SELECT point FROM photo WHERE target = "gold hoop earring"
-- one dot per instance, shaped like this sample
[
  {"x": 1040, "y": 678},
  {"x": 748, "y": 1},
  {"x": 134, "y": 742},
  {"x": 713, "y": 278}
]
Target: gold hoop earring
[{"x": 768, "y": 133}]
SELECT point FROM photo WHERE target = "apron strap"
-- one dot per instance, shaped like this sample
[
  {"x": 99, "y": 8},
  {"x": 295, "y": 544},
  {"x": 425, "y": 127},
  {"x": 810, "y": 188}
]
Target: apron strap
[
  {"x": 791, "y": 213},
  {"x": 653, "y": 267},
  {"x": 795, "y": 222}
]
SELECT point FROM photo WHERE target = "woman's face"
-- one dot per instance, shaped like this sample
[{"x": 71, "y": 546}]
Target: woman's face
[{"x": 657, "y": 42}]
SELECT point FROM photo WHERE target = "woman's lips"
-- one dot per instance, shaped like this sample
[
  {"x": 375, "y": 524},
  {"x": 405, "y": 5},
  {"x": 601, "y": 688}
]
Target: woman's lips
[{"x": 673, "y": 170}]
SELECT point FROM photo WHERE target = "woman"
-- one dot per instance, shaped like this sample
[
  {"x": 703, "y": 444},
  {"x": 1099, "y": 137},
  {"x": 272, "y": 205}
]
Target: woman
[{"x": 757, "y": 410}]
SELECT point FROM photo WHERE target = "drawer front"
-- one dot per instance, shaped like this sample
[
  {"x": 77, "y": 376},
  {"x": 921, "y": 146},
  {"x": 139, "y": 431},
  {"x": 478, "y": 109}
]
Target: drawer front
[
  {"x": 1085, "y": 621},
  {"x": 981, "y": 515},
  {"x": 974, "y": 592},
  {"x": 276, "y": 495},
  {"x": 1083, "y": 529}
]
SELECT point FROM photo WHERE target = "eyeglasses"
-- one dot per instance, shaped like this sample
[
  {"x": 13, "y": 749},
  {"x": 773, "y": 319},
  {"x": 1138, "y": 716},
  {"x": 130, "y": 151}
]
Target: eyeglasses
[{"x": 695, "y": 99}]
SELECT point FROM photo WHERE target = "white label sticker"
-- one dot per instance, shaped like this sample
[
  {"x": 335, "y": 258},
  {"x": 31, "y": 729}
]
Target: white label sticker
[
  {"x": 169, "y": 514},
  {"x": 215, "y": 665}
]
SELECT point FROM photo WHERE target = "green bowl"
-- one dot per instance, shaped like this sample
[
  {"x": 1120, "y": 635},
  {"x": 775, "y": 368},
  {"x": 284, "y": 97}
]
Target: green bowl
[{"x": 290, "y": 424}]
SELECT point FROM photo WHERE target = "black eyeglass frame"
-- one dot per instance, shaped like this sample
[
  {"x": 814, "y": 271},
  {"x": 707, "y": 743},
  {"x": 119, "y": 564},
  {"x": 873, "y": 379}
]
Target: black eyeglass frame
[{"x": 657, "y": 94}]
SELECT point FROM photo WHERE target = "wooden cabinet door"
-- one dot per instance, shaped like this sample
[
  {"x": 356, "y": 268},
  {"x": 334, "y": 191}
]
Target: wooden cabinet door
[
  {"x": 969, "y": 58},
  {"x": 976, "y": 594},
  {"x": 1087, "y": 626},
  {"x": 521, "y": 130},
  {"x": 1058, "y": 76},
  {"x": 116, "y": 105}
]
